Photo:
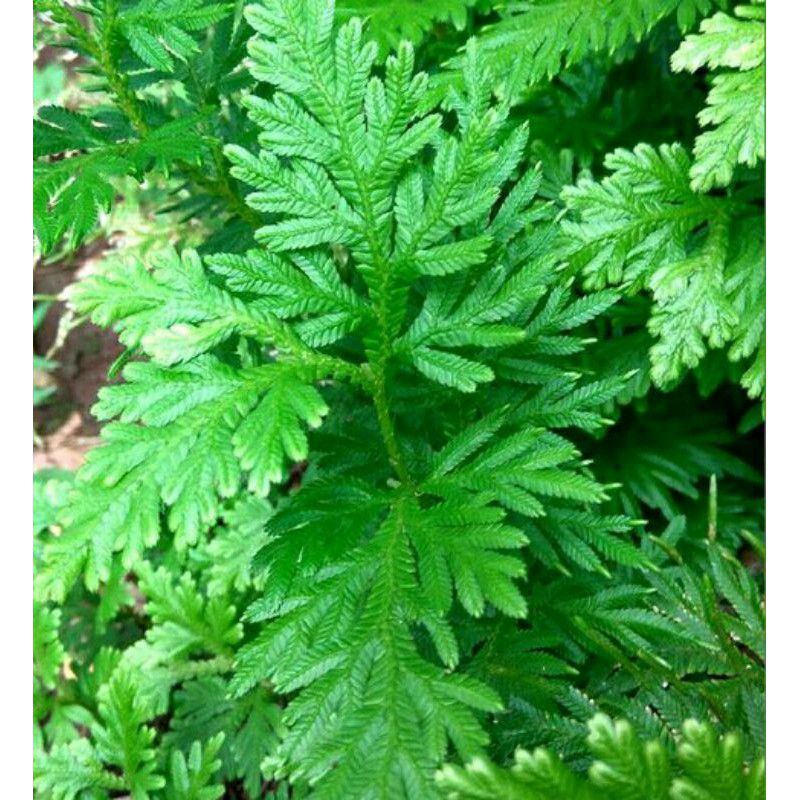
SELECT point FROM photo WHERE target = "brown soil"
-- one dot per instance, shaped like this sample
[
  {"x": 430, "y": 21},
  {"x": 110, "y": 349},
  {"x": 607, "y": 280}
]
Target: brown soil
[{"x": 65, "y": 426}]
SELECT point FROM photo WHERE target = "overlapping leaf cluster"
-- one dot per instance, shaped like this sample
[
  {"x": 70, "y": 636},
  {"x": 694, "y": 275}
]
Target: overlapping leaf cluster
[
  {"x": 703, "y": 766},
  {"x": 384, "y": 482},
  {"x": 652, "y": 224},
  {"x": 160, "y": 74},
  {"x": 101, "y": 689}
]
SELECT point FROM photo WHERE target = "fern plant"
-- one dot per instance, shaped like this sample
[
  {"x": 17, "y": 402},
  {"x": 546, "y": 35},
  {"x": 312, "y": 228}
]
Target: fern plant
[
  {"x": 681, "y": 639},
  {"x": 422, "y": 298},
  {"x": 704, "y": 765},
  {"x": 374, "y": 492},
  {"x": 651, "y": 223},
  {"x": 536, "y": 39},
  {"x": 165, "y": 71}
]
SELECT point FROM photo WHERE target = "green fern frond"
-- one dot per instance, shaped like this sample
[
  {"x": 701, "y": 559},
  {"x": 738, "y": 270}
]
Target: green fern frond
[
  {"x": 235, "y": 544},
  {"x": 724, "y": 609},
  {"x": 387, "y": 724},
  {"x": 212, "y": 419},
  {"x": 71, "y": 191},
  {"x": 736, "y": 106},
  {"x": 645, "y": 226},
  {"x": 190, "y": 465},
  {"x": 48, "y": 652},
  {"x": 82, "y": 154},
  {"x": 69, "y": 195},
  {"x": 515, "y": 471},
  {"x": 705, "y": 765},
  {"x": 251, "y": 726},
  {"x": 567, "y": 538},
  {"x": 192, "y": 778},
  {"x": 522, "y": 666},
  {"x": 123, "y": 740},
  {"x": 684, "y": 637},
  {"x": 408, "y": 20},
  {"x": 71, "y": 770},
  {"x": 158, "y": 30},
  {"x": 182, "y": 623},
  {"x": 536, "y": 39},
  {"x": 637, "y": 218},
  {"x": 121, "y": 758}
]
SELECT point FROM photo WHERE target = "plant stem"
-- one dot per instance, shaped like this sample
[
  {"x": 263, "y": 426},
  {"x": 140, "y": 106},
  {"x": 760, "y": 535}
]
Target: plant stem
[
  {"x": 388, "y": 432},
  {"x": 127, "y": 100}
]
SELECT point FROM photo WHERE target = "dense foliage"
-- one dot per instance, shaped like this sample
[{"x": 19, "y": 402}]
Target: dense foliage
[{"x": 437, "y": 433}]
